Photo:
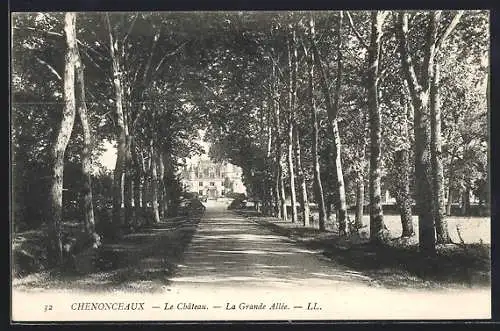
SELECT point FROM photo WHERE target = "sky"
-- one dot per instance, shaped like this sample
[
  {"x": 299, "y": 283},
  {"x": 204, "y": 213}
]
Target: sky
[{"x": 108, "y": 158}]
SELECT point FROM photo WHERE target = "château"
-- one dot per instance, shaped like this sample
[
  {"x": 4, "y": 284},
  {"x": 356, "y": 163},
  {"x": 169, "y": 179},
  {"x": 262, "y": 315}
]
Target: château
[{"x": 211, "y": 179}]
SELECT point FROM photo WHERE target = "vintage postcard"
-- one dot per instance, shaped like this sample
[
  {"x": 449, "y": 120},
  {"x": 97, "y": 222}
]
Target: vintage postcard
[{"x": 250, "y": 165}]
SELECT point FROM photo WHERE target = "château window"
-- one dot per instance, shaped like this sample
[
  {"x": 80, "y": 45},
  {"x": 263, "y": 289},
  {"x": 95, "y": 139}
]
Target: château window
[
  {"x": 212, "y": 184},
  {"x": 200, "y": 184}
]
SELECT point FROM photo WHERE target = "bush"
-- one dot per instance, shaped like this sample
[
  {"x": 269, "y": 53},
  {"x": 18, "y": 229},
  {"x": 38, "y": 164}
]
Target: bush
[
  {"x": 189, "y": 195},
  {"x": 196, "y": 206},
  {"x": 233, "y": 195},
  {"x": 29, "y": 252},
  {"x": 80, "y": 251},
  {"x": 237, "y": 204},
  {"x": 190, "y": 207}
]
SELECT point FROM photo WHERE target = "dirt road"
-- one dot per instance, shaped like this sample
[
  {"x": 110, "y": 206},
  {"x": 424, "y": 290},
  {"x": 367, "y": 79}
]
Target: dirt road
[{"x": 228, "y": 249}]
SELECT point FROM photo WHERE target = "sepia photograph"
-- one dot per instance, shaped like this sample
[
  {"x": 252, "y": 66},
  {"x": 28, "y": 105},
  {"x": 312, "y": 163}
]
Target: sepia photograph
[{"x": 250, "y": 165}]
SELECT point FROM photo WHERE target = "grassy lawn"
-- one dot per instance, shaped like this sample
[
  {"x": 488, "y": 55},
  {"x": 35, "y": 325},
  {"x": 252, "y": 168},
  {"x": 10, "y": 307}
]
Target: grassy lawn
[
  {"x": 399, "y": 264},
  {"x": 472, "y": 229}
]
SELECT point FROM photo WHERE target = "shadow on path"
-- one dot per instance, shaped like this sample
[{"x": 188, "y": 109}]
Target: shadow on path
[{"x": 231, "y": 250}]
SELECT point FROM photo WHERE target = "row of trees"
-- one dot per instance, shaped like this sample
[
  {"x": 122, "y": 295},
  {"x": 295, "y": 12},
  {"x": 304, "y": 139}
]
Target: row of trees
[
  {"x": 347, "y": 99},
  {"x": 123, "y": 75},
  {"x": 312, "y": 106}
]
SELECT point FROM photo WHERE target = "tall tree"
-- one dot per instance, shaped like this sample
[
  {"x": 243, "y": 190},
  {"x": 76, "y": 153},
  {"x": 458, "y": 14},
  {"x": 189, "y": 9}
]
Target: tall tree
[
  {"x": 332, "y": 104},
  {"x": 437, "y": 176},
  {"x": 419, "y": 94},
  {"x": 87, "y": 204},
  {"x": 292, "y": 93},
  {"x": 116, "y": 48},
  {"x": 58, "y": 149},
  {"x": 275, "y": 141},
  {"x": 278, "y": 150},
  {"x": 402, "y": 173},
  {"x": 360, "y": 178},
  {"x": 315, "y": 128},
  {"x": 374, "y": 53},
  {"x": 154, "y": 183},
  {"x": 428, "y": 145},
  {"x": 361, "y": 163},
  {"x": 304, "y": 201}
]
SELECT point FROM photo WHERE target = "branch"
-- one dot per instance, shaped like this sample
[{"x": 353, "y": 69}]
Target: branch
[
  {"x": 276, "y": 65},
  {"x": 150, "y": 58},
  {"x": 449, "y": 29},
  {"x": 96, "y": 100},
  {"x": 51, "y": 33},
  {"x": 407, "y": 62},
  {"x": 169, "y": 54},
  {"x": 351, "y": 24},
  {"x": 104, "y": 115},
  {"x": 300, "y": 61},
  {"x": 338, "y": 78},
  {"x": 278, "y": 100},
  {"x": 383, "y": 15},
  {"x": 137, "y": 117},
  {"x": 91, "y": 48},
  {"x": 323, "y": 79},
  {"x": 111, "y": 42},
  {"x": 94, "y": 62},
  {"x": 100, "y": 104},
  {"x": 304, "y": 49},
  {"x": 134, "y": 79},
  {"x": 130, "y": 29},
  {"x": 430, "y": 49},
  {"x": 51, "y": 68},
  {"x": 303, "y": 57},
  {"x": 98, "y": 38},
  {"x": 57, "y": 34}
]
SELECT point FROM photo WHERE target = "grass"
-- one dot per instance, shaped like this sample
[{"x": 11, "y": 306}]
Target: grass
[
  {"x": 399, "y": 264},
  {"x": 127, "y": 264}
]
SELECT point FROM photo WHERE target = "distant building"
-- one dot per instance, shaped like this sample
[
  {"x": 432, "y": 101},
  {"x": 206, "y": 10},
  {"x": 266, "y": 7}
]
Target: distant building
[{"x": 213, "y": 180}]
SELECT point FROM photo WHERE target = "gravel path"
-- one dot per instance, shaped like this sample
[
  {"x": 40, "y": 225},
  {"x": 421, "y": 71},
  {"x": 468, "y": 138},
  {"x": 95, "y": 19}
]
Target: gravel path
[{"x": 228, "y": 249}]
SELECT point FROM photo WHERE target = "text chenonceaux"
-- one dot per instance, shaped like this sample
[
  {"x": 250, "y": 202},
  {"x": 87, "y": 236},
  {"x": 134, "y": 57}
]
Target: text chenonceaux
[{"x": 107, "y": 306}]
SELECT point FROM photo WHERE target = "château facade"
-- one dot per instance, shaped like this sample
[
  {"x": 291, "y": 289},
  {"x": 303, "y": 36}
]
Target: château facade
[{"x": 213, "y": 180}]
